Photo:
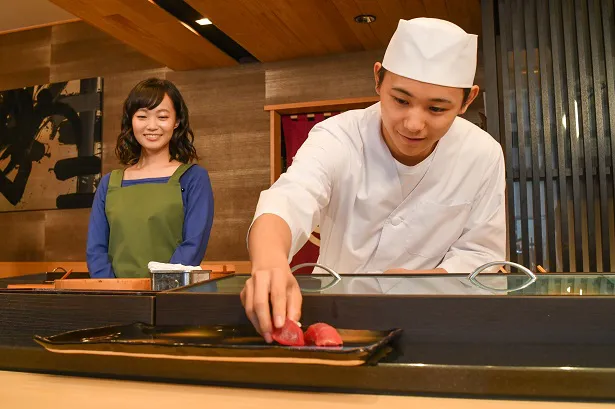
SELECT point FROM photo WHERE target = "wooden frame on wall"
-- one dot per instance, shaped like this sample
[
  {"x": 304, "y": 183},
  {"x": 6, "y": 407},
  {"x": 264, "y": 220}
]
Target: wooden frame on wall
[{"x": 275, "y": 124}]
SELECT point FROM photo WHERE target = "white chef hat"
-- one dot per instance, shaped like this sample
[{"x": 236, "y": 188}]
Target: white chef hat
[{"x": 433, "y": 51}]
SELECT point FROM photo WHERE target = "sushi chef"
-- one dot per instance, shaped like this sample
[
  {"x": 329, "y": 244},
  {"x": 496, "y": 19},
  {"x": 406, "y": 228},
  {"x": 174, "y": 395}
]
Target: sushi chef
[{"x": 404, "y": 185}]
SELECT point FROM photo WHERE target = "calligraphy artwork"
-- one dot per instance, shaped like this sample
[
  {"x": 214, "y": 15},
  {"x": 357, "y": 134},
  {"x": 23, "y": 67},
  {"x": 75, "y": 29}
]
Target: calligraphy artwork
[{"x": 50, "y": 145}]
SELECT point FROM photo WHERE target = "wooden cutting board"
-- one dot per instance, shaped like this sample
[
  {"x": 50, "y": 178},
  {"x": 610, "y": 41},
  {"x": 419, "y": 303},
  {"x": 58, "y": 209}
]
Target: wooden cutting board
[
  {"x": 133, "y": 284},
  {"x": 95, "y": 284},
  {"x": 31, "y": 286}
]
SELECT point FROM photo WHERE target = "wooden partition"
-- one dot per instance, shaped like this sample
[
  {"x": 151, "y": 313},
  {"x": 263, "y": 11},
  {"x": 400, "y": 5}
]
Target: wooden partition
[{"x": 551, "y": 62}]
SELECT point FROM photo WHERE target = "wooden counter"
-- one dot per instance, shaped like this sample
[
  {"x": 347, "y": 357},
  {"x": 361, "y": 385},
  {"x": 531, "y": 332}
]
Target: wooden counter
[
  {"x": 25, "y": 390},
  {"x": 475, "y": 346}
]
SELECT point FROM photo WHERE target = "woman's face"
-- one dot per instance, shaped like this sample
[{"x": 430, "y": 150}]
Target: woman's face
[{"x": 153, "y": 128}]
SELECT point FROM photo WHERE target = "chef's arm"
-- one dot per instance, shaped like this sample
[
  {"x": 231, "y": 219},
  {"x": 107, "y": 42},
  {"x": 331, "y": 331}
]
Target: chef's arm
[
  {"x": 300, "y": 194},
  {"x": 484, "y": 237},
  {"x": 269, "y": 242},
  {"x": 285, "y": 216}
]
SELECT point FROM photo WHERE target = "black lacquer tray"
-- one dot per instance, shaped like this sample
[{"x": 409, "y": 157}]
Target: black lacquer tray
[{"x": 217, "y": 343}]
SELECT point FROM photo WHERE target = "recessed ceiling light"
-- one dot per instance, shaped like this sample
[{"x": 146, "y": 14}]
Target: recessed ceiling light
[
  {"x": 203, "y": 22},
  {"x": 365, "y": 18}
]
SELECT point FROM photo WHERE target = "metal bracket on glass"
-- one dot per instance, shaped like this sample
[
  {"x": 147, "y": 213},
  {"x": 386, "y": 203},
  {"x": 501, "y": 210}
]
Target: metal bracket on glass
[
  {"x": 336, "y": 277},
  {"x": 527, "y": 271}
]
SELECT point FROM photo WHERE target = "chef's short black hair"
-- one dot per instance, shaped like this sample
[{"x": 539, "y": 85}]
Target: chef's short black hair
[
  {"x": 149, "y": 94},
  {"x": 382, "y": 71}
]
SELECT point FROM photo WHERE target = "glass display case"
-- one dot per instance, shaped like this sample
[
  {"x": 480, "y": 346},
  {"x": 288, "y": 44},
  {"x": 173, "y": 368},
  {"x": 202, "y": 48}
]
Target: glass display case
[{"x": 449, "y": 284}]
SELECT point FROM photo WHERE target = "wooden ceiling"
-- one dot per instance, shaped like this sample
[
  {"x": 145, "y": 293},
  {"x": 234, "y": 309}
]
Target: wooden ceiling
[
  {"x": 150, "y": 30},
  {"x": 28, "y": 14},
  {"x": 271, "y": 30},
  {"x": 274, "y": 30}
]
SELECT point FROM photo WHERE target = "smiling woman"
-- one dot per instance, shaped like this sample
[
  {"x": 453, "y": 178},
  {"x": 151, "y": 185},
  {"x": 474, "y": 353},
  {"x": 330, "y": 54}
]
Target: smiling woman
[
  {"x": 159, "y": 208},
  {"x": 155, "y": 120}
]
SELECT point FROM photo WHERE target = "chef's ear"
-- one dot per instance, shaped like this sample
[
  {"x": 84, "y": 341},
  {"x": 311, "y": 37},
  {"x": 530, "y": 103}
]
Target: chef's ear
[
  {"x": 377, "y": 76},
  {"x": 176, "y": 124},
  {"x": 469, "y": 99}
]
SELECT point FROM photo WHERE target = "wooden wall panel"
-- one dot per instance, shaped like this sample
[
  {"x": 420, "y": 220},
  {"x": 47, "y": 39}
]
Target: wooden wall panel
[
  {"x": 332, "y": 77},
  {"x": 23, "y": 236},
  {"x": 80, "y": 51},
  {"x": 232, "y": 139},
  {"x": 66, "y": 234},
  {"x": 25, "y": 58}
]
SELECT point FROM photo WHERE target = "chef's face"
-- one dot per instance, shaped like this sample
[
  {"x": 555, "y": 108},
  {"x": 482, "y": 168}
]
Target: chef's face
[
  {"x": 415, "y": 115},
  {"x": 153, "y": 128}
]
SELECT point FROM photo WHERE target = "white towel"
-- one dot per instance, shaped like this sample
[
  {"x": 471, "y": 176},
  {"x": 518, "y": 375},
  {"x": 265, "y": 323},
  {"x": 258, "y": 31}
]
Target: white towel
[{"x": 156, "y": 266}]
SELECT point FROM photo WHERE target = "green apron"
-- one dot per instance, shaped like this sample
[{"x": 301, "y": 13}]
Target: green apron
[{"x": 145, "y": 223}]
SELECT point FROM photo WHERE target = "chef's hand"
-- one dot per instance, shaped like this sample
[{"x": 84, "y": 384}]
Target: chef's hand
[
  {"x": 277, "y": 285},
  {"x": 272, "y": 282}
]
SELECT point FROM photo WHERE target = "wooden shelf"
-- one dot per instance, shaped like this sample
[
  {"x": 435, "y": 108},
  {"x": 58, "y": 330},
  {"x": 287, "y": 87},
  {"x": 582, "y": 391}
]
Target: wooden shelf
[{"x": 323, "y": 106}]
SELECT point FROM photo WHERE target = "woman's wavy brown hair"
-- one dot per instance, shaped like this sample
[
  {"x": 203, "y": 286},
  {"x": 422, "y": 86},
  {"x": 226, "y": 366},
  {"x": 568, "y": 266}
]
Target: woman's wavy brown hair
[{"x": 149, "y": 94}]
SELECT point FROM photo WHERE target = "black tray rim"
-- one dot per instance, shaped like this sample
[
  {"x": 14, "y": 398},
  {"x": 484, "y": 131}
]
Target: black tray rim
[{"x": 386, "y": 337}]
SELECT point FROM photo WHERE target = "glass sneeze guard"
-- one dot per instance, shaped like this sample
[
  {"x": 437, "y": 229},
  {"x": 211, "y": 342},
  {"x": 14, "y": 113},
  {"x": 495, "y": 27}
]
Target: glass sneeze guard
[{"x": 550, "y": 284}]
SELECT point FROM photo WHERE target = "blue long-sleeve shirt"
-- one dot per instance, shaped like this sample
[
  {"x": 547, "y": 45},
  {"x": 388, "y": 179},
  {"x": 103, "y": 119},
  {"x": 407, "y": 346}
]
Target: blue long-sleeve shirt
[{"x": 198, "y": 203}]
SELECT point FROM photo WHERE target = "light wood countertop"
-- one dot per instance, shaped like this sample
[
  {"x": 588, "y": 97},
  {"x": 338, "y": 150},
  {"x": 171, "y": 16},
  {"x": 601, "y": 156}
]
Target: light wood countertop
[{"x": 28, "y": 390}]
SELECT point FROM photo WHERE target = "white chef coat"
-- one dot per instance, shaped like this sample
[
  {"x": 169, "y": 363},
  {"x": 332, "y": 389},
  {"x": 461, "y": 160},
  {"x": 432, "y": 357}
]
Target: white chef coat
[
  {"x": 344, "y": 179},
  {"x": 410, "y": 176}
]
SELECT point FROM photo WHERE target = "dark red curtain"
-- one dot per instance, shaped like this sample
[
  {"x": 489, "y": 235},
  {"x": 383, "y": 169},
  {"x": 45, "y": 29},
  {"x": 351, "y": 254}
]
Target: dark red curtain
[{"x": 295, "y": 130}]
